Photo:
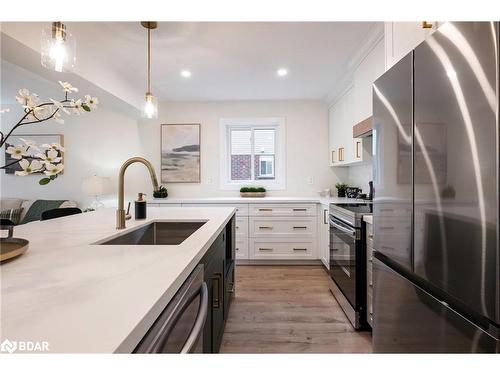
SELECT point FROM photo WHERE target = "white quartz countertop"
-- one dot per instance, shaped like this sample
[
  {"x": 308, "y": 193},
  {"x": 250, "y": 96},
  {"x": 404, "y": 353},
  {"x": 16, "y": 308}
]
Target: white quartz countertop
[
  {"x": 240, "y": 200},
  {"x": 83, "y": 297}
]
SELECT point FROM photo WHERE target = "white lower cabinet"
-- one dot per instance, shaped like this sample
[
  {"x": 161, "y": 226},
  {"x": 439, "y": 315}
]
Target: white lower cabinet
[
  {"x": 290, "y": 227},
  {"x": 282, "y": 248},
  {"x": 369, "y": 273},
  {"x": 324, "y": 235},
  {"x": 274, "y": 231},
  {"x": 241, "y": 249}
]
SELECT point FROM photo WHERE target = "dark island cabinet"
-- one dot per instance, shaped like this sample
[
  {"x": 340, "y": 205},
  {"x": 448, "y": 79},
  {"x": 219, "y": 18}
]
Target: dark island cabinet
[{"x": 219, "y": 276}]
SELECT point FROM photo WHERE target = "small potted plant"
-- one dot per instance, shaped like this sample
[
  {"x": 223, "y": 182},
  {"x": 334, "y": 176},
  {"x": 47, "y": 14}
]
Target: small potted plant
[
  {"x": 252, "y": 192},
  {"x": 341, "y": 188},
  {"x": 162, "y": 192}
]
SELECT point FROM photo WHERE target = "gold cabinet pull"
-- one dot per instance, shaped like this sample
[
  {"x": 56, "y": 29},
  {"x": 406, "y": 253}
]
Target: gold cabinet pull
[
  {"x": 299, "y": 227},
  {"x": 427, "y": 25},
  {"x": 341, "y": 153},
  {"x": 333, "y": 156},
  {"x": 300, "y": 209},
  {"x": 299, "y": 249},
  {"x": 266, "y": 227},
  {"x": 265, "y": 249},
  {"x": 265, "y": 209},
  {"x": 358, "y": 153}
]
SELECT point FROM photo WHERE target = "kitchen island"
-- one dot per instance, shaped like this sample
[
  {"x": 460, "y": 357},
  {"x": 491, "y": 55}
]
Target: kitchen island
[{"x": 83, "y": 297}]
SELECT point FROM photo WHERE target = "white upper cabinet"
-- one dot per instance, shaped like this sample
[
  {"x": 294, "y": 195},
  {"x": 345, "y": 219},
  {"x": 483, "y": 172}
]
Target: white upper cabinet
[
  {"x": 354, "y": 106},
  {"x": 367, "y": 72},
  {"x": 401, "y": 37}
]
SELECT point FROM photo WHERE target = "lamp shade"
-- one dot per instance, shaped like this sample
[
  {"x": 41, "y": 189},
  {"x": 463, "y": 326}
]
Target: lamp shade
[{"x": 94, "y": 185}]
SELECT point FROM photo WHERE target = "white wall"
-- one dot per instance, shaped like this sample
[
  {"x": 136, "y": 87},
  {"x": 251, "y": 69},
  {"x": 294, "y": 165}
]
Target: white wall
[
  {"x": 306, "y": 143},
  {"x": 96, "y": 143}
]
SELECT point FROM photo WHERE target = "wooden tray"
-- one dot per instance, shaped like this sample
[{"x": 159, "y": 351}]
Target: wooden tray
[
  {"x": 12, "y": 247},
  {"x": 253, "y": 195}
]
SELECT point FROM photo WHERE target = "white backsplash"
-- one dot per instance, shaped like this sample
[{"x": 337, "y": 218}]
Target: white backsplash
[{"x": 360, "y": 175}]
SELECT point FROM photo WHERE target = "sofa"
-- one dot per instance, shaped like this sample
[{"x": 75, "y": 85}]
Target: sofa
[{"x": 22, "y": 211}]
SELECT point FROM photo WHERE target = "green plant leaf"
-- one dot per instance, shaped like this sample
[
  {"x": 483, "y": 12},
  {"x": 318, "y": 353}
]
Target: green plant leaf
[
  {"x": 86, "y": 107},
  {"x": 53, "y": 177},
  {"x": 44, "y": 181}
]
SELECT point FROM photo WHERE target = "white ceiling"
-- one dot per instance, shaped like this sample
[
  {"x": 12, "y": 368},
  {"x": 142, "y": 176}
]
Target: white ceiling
[{"x": 228, "y": 61}]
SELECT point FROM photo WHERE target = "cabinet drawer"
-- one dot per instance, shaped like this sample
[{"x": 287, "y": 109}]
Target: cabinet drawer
[
  {"x": 241, "y": 249},
  {"x": 282, "y": 227},
  {"x": 241, "y": 228},
  {"x": 241, "y": 208},
  {"x": 283, "y": 209},
  {"x": 281, "y": 249}
]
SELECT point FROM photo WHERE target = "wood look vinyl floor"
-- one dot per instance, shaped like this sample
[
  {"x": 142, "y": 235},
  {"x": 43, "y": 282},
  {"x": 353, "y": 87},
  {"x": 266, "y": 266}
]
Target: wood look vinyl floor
[{"x": 288, "y": 309}]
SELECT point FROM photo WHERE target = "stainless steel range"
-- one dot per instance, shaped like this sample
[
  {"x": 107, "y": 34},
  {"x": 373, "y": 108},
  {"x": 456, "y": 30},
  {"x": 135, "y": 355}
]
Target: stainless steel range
[{"x": 348, "y": 260}]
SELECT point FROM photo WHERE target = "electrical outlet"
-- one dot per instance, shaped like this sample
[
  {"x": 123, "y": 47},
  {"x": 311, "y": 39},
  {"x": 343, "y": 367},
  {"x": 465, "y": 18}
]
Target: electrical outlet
[{"x": 310, "y": 180}]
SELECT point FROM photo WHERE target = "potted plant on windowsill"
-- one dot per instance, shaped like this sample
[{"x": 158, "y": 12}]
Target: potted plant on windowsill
[
  {"x": 341, "y": 188},
  {"x": 252, "y": 192}
]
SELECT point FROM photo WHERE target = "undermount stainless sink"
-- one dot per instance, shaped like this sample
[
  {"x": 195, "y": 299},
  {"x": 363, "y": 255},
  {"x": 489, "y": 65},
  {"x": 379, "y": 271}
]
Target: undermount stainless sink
[{"x": 157, "y": 233}]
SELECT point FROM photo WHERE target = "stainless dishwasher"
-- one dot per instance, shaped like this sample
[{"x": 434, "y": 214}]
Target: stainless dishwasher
[{"x": 179, "y": 328}]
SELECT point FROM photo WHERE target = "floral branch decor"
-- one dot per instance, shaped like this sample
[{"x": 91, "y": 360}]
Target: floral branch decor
[{"x": 47, "y": 158}]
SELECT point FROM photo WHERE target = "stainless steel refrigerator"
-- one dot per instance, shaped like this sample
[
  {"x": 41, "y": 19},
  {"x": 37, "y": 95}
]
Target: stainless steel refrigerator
[{"x": 436, "y": 206}]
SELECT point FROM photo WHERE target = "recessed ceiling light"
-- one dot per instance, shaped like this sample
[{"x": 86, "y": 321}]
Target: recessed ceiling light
[
  {"x": 282, "y": 72},
  {"x": 186, "y": 73}
]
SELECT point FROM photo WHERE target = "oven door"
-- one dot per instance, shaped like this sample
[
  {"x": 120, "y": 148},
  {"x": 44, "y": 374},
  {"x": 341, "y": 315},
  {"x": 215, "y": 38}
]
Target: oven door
[{"x": 343, "y": 258}]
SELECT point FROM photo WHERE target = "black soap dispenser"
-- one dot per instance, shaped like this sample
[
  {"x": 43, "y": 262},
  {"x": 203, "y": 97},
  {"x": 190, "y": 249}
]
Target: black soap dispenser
[{"x": 140, "y": 207}]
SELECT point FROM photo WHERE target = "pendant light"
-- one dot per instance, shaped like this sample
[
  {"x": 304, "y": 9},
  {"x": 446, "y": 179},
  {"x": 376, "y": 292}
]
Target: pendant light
[
  {"x": 58, "y": 48},
  {"x": 150, "y": 109}
]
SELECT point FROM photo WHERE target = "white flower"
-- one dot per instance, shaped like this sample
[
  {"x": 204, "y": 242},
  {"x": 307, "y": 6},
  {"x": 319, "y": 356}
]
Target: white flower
[
  {"x": 55, "y": 146},
  {"x": 26, "y": 99},
  {"x": 30, "y": 144},
  {"x": 53, "y": 169},
  {"x": 28, "y": 168},
  {"x": 17, "y": 152},
  {"x": 41, "y": 113},
  {"x": 91, "y": 102},
  {"x": 67, "y": 87},
  {"x": 77, "y": 106},
  {"x": 60, "y": 106},
  {"x": 51, "y": 156}
]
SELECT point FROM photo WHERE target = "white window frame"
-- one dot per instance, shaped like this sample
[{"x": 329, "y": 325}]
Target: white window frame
[{"x": 276, "y": 123}]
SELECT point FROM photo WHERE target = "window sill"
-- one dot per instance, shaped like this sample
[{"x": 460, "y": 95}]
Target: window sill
[{"x": 237, "y": 186}]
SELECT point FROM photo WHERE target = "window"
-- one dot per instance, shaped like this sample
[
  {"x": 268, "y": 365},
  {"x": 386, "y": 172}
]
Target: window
[{"x": 253, "y": 153}]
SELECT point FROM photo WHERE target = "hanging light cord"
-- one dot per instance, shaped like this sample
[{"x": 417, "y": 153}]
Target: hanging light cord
[{"x": 149, "y": 61}]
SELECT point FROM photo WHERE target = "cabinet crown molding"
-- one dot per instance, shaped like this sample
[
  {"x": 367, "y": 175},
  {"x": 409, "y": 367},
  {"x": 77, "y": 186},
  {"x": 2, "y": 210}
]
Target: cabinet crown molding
[{"x": 374, "y": 36}]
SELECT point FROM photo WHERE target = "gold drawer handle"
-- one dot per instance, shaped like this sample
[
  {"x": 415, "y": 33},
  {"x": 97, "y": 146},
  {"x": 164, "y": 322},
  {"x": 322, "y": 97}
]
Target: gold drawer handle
[
  {"x": 300, "y": 209},
  {"x": 266, "y": 227},
  {"x": 299, "y": 249},
  {"x": 265, "y": 249},
  {"x": 299, "y": 227},
  {"x": 265, "y": 209}
]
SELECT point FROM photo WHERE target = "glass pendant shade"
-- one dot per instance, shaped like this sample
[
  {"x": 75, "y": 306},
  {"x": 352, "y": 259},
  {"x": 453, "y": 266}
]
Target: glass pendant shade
[
  {"x": 58, "y": 49},
  {"x": 150, "y": 108}
]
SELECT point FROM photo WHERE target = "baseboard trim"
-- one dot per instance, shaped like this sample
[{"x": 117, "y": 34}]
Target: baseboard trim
[{"x": 278, "y": 262}]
